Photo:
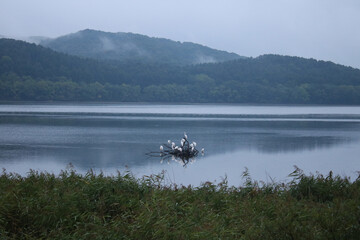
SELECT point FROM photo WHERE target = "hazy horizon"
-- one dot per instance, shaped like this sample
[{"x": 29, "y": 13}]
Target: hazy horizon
[{"x": 323, "y": 30}]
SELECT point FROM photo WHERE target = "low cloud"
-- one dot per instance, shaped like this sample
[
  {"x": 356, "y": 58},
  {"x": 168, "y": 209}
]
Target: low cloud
[
  {"x": 107, "y": 44},
  {"x": 204, "y": 59},
  {"x": 131, "y": 47}
]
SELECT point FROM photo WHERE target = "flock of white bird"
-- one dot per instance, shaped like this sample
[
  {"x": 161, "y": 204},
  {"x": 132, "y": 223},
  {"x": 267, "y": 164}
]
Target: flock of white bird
[
  {"x": 182, "y": 142},
  {"x": 184, "y": 153}
]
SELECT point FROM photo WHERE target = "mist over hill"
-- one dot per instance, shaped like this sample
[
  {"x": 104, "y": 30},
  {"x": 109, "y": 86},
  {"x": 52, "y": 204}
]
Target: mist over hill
[
  {"x": 135, "y": 47},
  {"x": 32, "y": 72},
  {"x": 30, "y": 39}
]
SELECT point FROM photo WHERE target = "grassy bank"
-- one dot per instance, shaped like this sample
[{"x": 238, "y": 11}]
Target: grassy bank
[{"x": 93, "y": 206}]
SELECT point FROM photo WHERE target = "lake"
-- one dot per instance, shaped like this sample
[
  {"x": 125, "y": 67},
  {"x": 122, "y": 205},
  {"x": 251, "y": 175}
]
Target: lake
[{"x": 107, "y": 137}]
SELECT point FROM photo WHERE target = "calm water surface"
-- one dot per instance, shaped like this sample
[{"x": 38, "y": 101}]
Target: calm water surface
[{"x": 268, "y": 140}]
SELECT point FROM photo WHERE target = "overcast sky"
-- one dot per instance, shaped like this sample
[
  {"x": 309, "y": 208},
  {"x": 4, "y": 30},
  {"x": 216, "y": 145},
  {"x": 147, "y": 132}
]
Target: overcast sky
[{"x": 320, "y": 29}]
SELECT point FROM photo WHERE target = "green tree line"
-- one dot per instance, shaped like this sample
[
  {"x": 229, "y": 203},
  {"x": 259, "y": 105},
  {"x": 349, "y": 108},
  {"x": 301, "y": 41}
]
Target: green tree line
[{"x": 13, "y": 87}]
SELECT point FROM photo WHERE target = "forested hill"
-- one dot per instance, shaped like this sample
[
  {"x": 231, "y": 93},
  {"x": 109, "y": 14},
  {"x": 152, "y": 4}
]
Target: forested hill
[
  {"x": 24, "y": 59},
  {"x": 32, "y": 72},
  {"x": 276, "y": 69},
  {"x": 284, "y": 79},
  {"x": 128, "y": 46}
]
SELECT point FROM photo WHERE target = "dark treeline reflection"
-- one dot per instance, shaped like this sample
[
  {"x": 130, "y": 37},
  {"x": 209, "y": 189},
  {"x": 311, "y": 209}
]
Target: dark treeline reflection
[
  {"x": 280, "y": 144},
  {"x": 88, "y": 141}
]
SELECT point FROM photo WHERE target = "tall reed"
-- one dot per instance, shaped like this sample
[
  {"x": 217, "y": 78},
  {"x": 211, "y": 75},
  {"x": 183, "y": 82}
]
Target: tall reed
[{"x": 94, "y": 206}]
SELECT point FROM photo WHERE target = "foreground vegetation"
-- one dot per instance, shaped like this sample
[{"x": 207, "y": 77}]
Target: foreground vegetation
[{"x": 93, "y": 206}]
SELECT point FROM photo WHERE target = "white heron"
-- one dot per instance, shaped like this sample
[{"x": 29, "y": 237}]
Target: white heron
[
  {"x": 194, "y": 143},
  {"x": 185, "y": 136},
  {"x": 202, "y": 151},
  {"x": 169, "y": 141},
  {"x": 173, "y": 145},
  {"x": 161, "y": 148},
  {"x": 180, "y": 149},
  {"x": 182, "y": 142}
]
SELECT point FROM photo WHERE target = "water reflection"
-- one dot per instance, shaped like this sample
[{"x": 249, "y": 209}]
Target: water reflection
[
  {"x": 184, "y": 161},
  {"x": 284, "y": 144},
  {"x": 113, "y": 142}
]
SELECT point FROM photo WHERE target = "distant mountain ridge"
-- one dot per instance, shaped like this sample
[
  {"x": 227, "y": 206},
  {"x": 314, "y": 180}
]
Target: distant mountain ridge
[
  {"x": 32, "y": 72},
  {"x": 135, "y": 47}
]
